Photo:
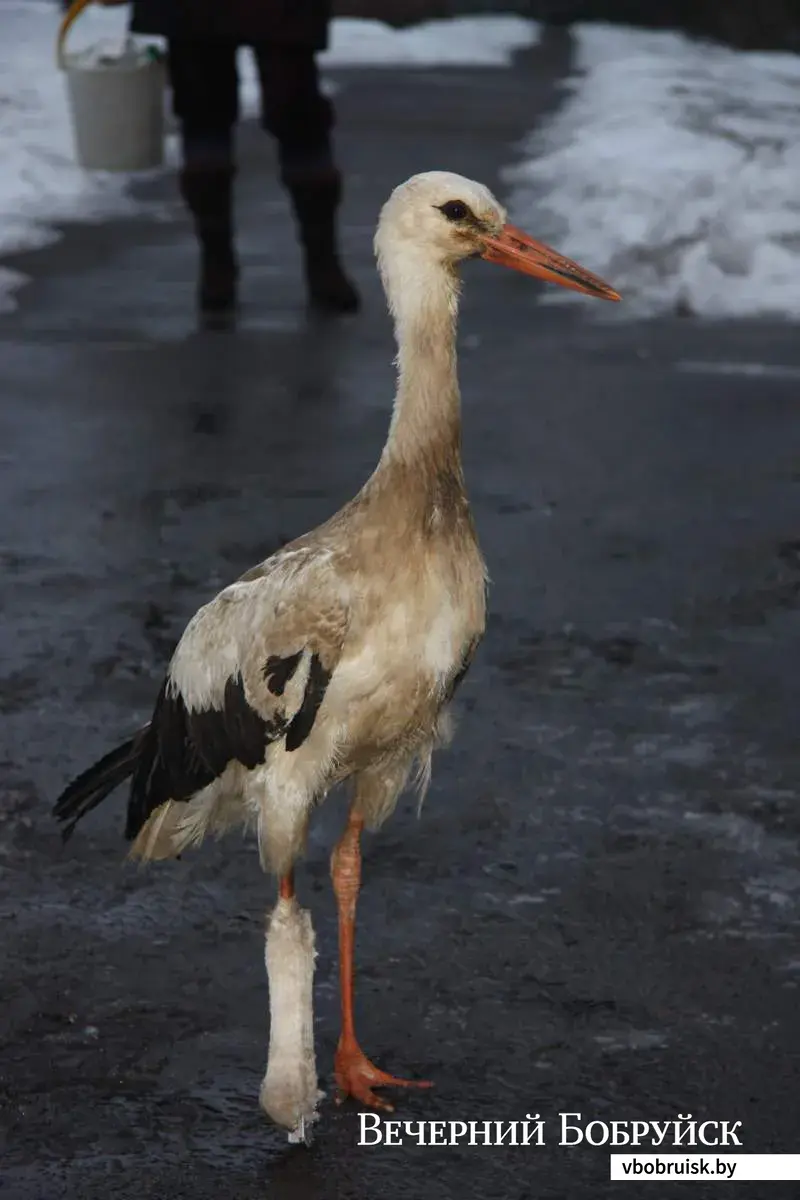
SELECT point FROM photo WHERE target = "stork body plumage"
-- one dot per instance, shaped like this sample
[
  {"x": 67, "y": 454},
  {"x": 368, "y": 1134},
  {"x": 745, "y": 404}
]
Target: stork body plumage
[
  {"x": 291, "y": 680},
  {"x": 337, "y": 657}
]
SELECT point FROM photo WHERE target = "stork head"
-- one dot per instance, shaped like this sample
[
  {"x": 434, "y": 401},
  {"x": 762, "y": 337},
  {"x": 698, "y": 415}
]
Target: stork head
[{"x": 446, "y": 218}]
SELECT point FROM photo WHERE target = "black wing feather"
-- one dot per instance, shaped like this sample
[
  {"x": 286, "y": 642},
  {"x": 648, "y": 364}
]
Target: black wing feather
[
  {"x": 190, "y": 749},
  {"x": 303, "y": 721},
  {"x": 278, "y": 671},
  {"x": 93, "y": 785},
  {"x": 181, "y": 751}
]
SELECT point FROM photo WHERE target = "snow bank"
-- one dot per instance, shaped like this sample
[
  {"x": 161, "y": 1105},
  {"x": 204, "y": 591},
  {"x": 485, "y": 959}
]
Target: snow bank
[
  {"x": 673, "y": 170},
  {"x": 458, "y": 41}
]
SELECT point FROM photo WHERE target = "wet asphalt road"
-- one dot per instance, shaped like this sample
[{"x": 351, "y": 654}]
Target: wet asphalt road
[{"x": 598, "y": 911}]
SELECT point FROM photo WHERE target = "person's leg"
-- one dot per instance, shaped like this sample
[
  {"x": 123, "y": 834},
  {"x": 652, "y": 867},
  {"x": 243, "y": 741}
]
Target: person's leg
[
  {"x": 301, "y": 118},
  {"x": 205, "y": 101}
]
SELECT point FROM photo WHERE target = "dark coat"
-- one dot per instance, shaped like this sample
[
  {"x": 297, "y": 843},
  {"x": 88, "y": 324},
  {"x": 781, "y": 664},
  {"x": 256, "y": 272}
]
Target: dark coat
[{"x": 280, "y": 22}]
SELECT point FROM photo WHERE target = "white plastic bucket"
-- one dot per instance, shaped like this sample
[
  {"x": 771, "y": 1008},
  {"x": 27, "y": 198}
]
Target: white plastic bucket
[{"x": 116, "y": 103}]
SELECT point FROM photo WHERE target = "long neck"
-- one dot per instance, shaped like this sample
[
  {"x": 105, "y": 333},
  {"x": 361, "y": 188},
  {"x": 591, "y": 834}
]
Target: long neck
[{"x": 426, "y": 422}]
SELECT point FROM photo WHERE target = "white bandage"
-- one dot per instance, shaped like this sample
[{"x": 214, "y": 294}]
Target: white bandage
[{"x": 289, "y": 1093}]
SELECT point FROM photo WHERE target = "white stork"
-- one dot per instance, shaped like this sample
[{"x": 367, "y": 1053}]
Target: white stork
[{"x": 336, "y": 658}]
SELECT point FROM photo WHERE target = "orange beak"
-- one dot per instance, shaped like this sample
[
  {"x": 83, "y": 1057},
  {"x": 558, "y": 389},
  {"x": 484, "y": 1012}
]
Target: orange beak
[{"x": 513, "y": 248}]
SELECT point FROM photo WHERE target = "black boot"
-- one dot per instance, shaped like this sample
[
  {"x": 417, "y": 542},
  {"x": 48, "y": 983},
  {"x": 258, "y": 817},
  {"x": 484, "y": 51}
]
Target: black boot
[
  {"x": 316, "y": 197},
  {"x": 208, "y": 193}
]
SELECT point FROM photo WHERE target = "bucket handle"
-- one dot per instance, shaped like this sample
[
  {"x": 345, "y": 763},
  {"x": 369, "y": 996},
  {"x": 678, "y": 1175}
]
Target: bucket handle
[{"x": 67, "y": 21}]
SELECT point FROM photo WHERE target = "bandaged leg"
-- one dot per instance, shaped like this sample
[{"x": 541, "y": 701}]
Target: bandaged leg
[{"x": 289, "y": 1092}]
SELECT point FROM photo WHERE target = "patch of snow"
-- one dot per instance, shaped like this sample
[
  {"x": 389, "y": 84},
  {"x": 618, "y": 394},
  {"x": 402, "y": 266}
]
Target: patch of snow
[
  {"x": 672, "y": 170},
  {"x": 9, "y": 282},
  {"x": 39, "y": 181},
  {"x": 482, "y": 41}
]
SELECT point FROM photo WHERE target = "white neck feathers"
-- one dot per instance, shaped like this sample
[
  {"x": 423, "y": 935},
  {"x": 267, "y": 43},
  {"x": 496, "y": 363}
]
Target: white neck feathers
[{"x": 423, "y": 300}]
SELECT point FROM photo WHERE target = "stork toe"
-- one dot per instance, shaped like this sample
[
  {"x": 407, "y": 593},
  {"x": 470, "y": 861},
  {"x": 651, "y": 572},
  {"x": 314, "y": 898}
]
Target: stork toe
[{"x": 356, "y": 1076}]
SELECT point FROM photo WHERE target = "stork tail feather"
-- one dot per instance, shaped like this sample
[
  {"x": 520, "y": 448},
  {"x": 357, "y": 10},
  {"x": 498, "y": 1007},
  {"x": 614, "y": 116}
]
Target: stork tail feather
[{"x": 93, "y": 785}]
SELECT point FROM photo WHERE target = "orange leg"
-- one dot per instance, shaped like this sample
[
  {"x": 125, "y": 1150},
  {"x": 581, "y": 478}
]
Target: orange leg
[
  {"x": 286, "y": 886},
  {"x": 355, "y": 1074}
]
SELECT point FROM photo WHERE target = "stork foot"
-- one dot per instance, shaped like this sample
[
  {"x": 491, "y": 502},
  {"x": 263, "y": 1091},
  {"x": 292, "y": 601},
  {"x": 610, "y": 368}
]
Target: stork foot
[{"x": 356, "y": 1076}]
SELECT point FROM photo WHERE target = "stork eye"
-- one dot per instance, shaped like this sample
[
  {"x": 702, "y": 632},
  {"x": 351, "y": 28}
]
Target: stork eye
[{"x": 455, "y": 210}]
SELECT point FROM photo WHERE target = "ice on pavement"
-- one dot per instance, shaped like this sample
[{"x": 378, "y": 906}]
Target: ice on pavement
[
  {"x": 673, "y": 170},
  {"x": 39, "y": 182}
]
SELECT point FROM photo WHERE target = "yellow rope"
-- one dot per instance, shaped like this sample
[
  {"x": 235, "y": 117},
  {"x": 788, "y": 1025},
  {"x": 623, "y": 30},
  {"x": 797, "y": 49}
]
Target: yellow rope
[{"x": 69, "y": 18}]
